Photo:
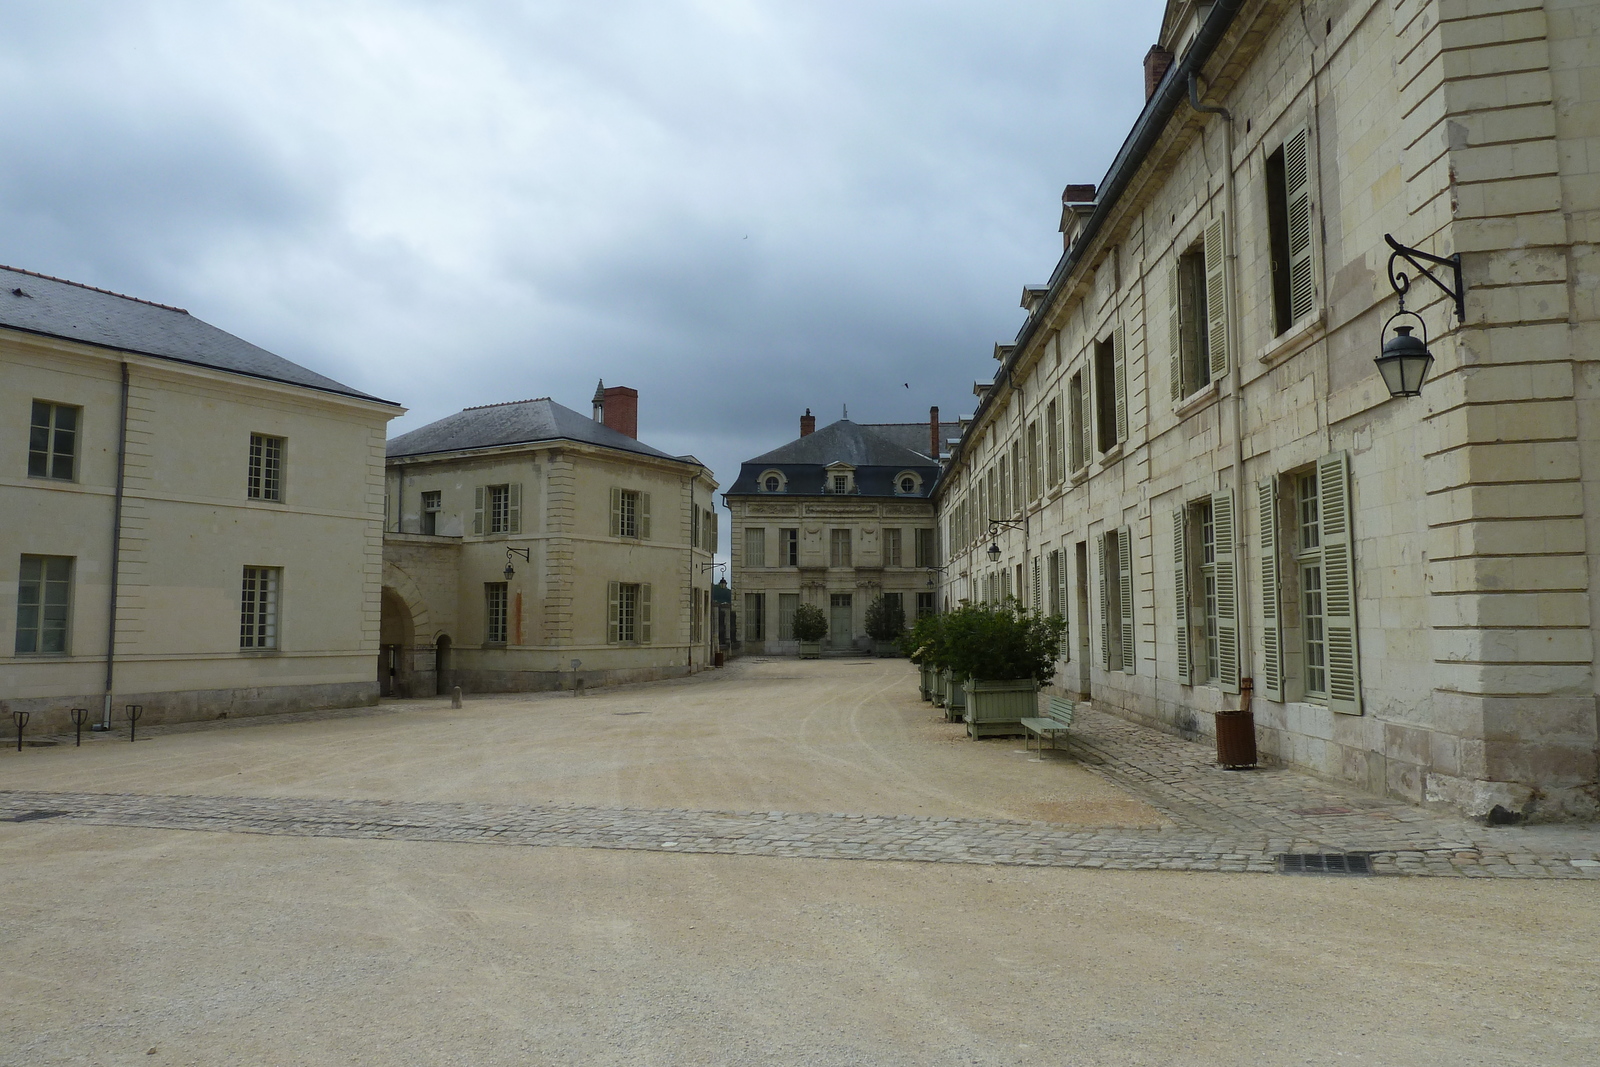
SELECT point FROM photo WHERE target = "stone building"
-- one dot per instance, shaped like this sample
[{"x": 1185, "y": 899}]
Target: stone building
[
  {"x": 1200, "y": 465},
  {"x": 189, "y": 523},
  {"x": 523, "y": 537},
  {"x": 835, "y": 518}
]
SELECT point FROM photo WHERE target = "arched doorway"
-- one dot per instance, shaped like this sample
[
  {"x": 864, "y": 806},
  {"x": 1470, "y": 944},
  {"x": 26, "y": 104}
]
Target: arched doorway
[
  {"x": 395, "y": 634},
  {"x": 441, "y": 665}
]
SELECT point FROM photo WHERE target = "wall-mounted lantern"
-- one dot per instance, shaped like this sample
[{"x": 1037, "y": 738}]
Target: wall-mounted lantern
[
  {"x": 995, "y": 526},
  {"x": 1404, "y": 360},
  {"x": 510, "y": 572}
]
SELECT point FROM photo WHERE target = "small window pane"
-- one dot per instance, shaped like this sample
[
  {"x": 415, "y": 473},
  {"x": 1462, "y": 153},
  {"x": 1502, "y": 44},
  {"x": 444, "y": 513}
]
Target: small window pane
[
  {"x": 258, "y": 608},
  {"x": 52, "y": 441},
  {"x": 265, "y": 481}
]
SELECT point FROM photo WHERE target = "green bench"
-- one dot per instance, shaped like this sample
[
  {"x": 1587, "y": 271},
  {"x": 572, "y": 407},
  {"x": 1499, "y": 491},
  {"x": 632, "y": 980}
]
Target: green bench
[{"x": 1056, "y": 720}]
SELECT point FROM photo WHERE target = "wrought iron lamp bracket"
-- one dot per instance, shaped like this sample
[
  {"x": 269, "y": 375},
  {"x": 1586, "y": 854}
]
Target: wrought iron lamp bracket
[
  {"x": 523, "y": 552},
  {"x": 1401, "y": 282}
]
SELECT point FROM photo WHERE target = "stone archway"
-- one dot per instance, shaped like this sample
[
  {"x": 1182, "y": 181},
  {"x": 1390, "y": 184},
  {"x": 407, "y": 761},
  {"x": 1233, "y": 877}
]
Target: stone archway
[{"x": 396, "y": 636}]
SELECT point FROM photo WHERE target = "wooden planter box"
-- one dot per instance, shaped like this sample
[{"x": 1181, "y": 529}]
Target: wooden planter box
[
  {"x": 941, "y": 686},
  {"x": 810, "y": 649},
  {"x": 996, "y": 709},
  {"x": 885, "y": 649},
  {"x": 955, "y": 700},
  {"x": 925, "y": 681}
]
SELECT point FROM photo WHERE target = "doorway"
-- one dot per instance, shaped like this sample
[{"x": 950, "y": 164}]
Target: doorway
[
  {"x": 388, "y": 669},
  {"x": 1080, "y": 616},
  {"x": 840, "y": 630},
  {"x": 441, "y": 665}
]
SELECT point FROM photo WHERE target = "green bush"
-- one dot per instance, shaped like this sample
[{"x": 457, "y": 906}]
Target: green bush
[
  {"x": 1004, "y": 643},
  {"x": 886, "y": 619},
  {"x": 810, "y": 624},
  {"x": 924, "y": 642}
]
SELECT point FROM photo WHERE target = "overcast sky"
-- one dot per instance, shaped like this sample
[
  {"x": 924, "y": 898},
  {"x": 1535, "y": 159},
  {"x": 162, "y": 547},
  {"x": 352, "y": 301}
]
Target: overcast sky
[{"x": 740, "y": 209}]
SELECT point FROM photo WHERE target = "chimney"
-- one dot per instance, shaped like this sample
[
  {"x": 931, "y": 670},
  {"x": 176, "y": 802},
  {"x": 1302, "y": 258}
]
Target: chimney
[
  {"x": 1078, "y": 194},
  {"x": 1156, "y": 63},
  {"x": 808, "y": 423},
  {"x": 933, "y": 433},
  {"x": 619, "y": 407}
]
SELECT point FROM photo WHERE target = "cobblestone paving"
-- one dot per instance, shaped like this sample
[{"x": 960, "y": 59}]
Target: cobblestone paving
[{"x": 1222, "y": 821}]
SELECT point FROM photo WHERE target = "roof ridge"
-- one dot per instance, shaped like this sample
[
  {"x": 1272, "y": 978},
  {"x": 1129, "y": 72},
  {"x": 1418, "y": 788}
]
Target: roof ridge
[
  {"x": 93, "y": 288},
  {"x": 505, "y": 404}
]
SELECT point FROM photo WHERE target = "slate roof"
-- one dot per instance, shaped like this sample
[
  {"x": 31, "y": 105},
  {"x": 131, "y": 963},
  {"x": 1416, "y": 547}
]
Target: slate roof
[
  {"x": 56, "y": 307},
  {"x": 515, "y": 423},
  {"x": 914, "y": 435},
  {"x": 875, "y": 456}
]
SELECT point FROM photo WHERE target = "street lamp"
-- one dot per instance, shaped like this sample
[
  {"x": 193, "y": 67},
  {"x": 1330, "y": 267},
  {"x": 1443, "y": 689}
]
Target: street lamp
[
  {"x": 1404, "y": 360},
  {"x": 510, "y": 571}
]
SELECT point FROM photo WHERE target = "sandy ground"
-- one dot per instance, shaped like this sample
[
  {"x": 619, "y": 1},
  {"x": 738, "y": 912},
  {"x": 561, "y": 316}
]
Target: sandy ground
[{"x": 241, "y": 949}]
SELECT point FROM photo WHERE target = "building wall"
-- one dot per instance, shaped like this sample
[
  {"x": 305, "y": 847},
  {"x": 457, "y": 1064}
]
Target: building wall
[
  {"x": 814, "y": 580},
  {"x": 1456, "y": 128},
  {"x": 188, "y": 532},
  {"x": 557, "y": 598}
]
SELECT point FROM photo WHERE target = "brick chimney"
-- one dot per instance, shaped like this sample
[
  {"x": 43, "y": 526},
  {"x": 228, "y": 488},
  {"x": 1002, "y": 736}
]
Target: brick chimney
[
  {"x": 619, "y": 409},
  {"x": 808, "y": 423},
  {"x": 1156, "y": 63},
  {"x": 933, "y": 432},
  {"x": 1078, "y": 194}
]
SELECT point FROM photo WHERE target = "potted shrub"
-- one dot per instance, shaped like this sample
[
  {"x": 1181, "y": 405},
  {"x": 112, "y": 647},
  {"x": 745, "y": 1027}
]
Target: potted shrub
[
  {"x": 886, "y": 621},
  {"x": 1003, "y": 654},
  {"x": 921, "y": 645},
  {"x": 810, "y": 627}
]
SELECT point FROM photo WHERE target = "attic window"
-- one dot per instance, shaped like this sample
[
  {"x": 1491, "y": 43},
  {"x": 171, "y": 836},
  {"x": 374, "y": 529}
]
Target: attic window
[
  {"x": 907, "y": 483},
  {"x": 771, "y": 481}
]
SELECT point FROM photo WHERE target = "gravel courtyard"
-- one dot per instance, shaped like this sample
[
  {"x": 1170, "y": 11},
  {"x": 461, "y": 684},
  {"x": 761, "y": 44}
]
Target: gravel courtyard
[{"x": 352, "y": 887}]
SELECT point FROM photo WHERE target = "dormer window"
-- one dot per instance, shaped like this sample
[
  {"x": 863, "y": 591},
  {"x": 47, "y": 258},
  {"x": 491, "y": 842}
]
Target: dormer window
[
  {"x": 772, "y": 481},
  {"x": 839, "y": 478},
  {"x": 841, "y": 482},
  {"x": 908, "y": 483}
]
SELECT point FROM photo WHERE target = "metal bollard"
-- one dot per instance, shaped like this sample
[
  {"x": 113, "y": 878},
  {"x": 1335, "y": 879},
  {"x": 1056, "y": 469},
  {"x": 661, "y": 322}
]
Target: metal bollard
[
  {"x": 79, "y": 717},
  {"x": 455, "y": 697},
  {"x": 133, "y": 711},
  {"x": 21, "y": 719}
]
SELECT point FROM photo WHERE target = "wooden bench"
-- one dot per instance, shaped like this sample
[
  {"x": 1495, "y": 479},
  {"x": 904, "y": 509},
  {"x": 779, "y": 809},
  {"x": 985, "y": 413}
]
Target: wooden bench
[{"x": 1057, "y": 720}]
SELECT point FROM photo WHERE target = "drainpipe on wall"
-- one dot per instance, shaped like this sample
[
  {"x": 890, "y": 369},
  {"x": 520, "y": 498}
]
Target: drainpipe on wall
[
  {"x": 116, "y": 553},
  {"x": 1230, "y": 260}
]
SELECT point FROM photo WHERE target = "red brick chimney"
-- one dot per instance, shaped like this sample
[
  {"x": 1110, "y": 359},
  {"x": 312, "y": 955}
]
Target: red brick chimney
[
  {"x": 933, "y": 432},
  {"x": 1156, "y": 63},
  {"x": 619, "y": 407},
  {"x": 808, "y": 423},
  {"x": 1078, "y": 194}
]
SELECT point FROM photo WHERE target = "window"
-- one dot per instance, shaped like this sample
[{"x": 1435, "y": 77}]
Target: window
[
  {"x": 1116, "y": 601},
  {"x": 1190, "y": 365},
  {"x": 789, "y": 545},
  {"x": 1308, "y": 556},
  {"x": 755, "y": 546},
  {"x": 1016, "y": 477},
  {"x": 53, "y": 441},
  {"x": 1206, "y": 610},
  {"x": 772, "y": 481},
  {"x": 697, "y": 620},
  {"x": 927, "y": 552},
  {"x": 787, "y": 603},
  {"x": 755, "y": 616},
  {"x": 1208, "y": 586},
  {"x": 772, "y": 484},
  {"x": 709, "y": 531},
  {"x": 1057, "y": 577},
  {"x": 891, "y": 547},
  {"x": 497, "y": 509},
  {"x": 695, "y": 515},
  {"x": 430, "y": 511},
  {"x": 266, "y": 468},
  {"x": 630, "y": 514},
  {"x": 1055, "y": 442},
  {"x": 840, "y": 482},
  {"x": 1078, "y": 430},
  {"x": 927, "y": 604},
  {"x": 494, "y": 603},
  {"x": 908, "y": 484},
  {"x": 1006, "y": 507},
  {"x": 1110, "y": 391},
  {"x": 258, "y": 608},
  {"x": 44, "y": 605},
  {"x": 628, "y": 614},
  {"x": 1033, "y": 461},
  {"x": 839, "y": 548},
  {"x": 1289, "y": 229}
]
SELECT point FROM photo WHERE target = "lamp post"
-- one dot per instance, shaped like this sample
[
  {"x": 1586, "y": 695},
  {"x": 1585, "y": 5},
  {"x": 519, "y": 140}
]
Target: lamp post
[{"x": 1404, "y": 360}]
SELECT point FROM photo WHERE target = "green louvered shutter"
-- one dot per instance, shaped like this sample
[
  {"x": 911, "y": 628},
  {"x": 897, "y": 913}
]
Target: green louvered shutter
[
  {"x": 616, "y": 512},
  {"x": 477, "y": 510},
  {"x": 1105, "y": 601},
  {"x": 1216, "y": 300},
  {"x": 1297, "y": 190},
  {"x": 514, "y": 507},
  {"x": 643, "y": 518},
  {"x": 1120, "y": 380},
  {"x": 1038, "y": 588},
  {"x": 613, "y": 612},
  {"x": 1338, "y": 583},
  {"x": 1180, "y": 612},
  {"x": 1227, "y": 578},
  {"x": 1270, "y": 683},
  {"x": 1174, "y": 331},
  {"x": 1125, "y": 597},
  {"x": 645, "y": 636}
]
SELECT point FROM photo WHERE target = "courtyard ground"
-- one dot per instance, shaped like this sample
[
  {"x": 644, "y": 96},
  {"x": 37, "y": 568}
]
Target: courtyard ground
[{"x": 781, "y": 862}]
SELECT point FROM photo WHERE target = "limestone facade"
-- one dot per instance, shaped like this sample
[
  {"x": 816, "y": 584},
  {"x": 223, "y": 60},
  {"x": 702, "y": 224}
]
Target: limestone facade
[
  {"x": 241, "y": 546},
  {"x": 609, "y": 543},
  {"x": 1203, "y": 469}
]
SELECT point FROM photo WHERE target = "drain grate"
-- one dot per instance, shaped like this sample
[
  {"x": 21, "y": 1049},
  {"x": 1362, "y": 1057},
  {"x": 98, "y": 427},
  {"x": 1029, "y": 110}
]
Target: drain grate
[
  {"x": 30, "y": 816},
  {"x": 1324, "y": 863}
]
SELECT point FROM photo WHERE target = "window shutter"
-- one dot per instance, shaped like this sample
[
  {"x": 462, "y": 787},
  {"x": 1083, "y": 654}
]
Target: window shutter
[
  {"x": 1226, "y": 570},
  {"x": 1085, "y": 427},
  {"x": 1125, "y": 589},
  {"x": 514, "y": 508},
  {"x": 1038, "y": 588},
  {"x": 644, "y": 516},
  {"x": 644, "y": 614},
  {"x": 1270, "y": 684},
  {"x": 616, "y": 512},
  {"x": 613, "y": 611},
  {"x": 1061, "y": 606},
  {"x": 1120, "y": 381},
  {"x": 694, "y": 527},
  {"x": 477, "y": 510},
  {"x": 1105, "y": 602},
  {"x": 1180, "y": 566},
  {"x": 1174, "y": 331},
  {"x": 1297, "y": 190},
  {"x": 1057, "y": 424},
  {"x": 1338, "y": 583},
  {"x": 1216, "y": 300}
]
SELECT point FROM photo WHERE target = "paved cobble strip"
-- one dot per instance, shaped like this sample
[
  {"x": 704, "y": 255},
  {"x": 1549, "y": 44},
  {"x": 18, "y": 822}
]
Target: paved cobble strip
[{"x": 905, "y": 838}]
